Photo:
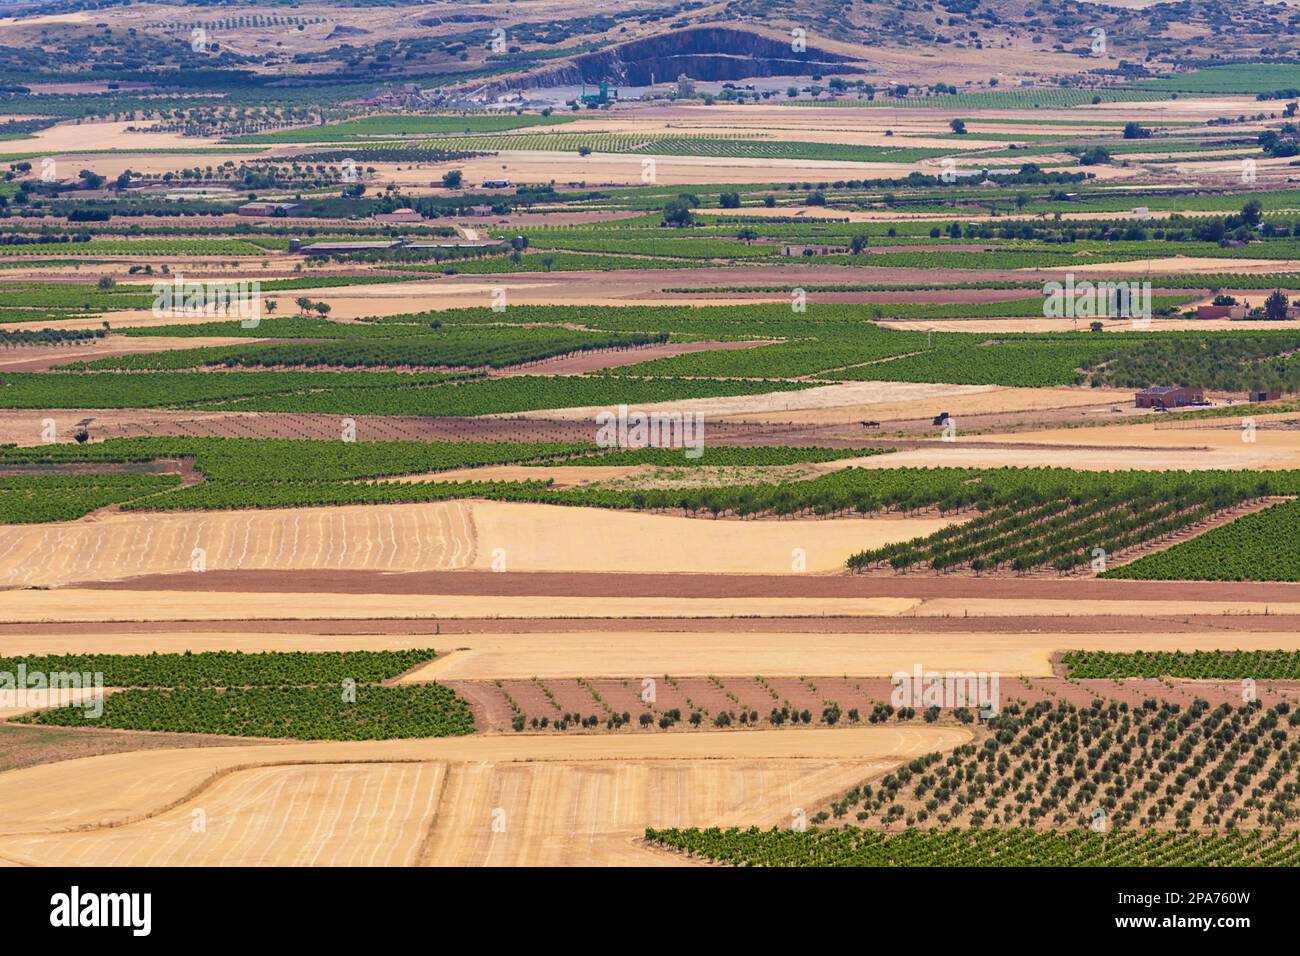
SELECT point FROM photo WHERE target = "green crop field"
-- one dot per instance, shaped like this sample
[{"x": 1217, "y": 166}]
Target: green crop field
[
  {"x": 401, "y": 125},
  {"x": 979, "y": 848},
  {"x": 1062, "y": 534},
  {"x": 229, "y": 668},
  {"x": 29, "y": 499},
  {"x": 1196, "y": 665},
  {"x": 302, "y": 713},
  {"x": 1264, "y": 546},
  {"x": 1233, "y": 78}
]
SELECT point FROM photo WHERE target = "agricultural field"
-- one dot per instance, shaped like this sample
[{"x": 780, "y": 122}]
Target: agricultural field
[{"x": 518, "y": 435}]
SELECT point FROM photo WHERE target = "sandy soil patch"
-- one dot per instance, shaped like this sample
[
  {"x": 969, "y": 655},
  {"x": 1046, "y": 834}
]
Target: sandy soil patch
[
  {"x": 79, "y": 137},
  {"x": 421, "y": 295},
  {"x": 1220, "y": 445},
  {"x": 561, "y": 800},
  {"x": 609, "y": 169},
  {"x": 1108, "y": 448},
  {"x": 774, "y": 405},
  {"x": 435, "y": 535},
  {"x": 896, "y": 400},
  {"x": 78, "y": 16},
  {"x": 116, "y": 152}
]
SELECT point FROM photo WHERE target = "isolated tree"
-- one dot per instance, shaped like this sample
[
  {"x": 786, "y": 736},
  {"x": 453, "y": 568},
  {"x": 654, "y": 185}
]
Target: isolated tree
[
  {"x": 958, "y": 127},
  {"x": 1275, "y": 305},
  {"x": 452, "y": 179},
  {"x": 677, "y": 214}
]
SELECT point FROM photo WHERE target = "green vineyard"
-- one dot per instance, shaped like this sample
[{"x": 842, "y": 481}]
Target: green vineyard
[
  {"x": 1194, "y": 665},
  {"x": 1264, "y": 546},
  {"x": 1062, "y": 534},
  {"x": 979, "y": 848},
  {"x": 301, "y": 713}
]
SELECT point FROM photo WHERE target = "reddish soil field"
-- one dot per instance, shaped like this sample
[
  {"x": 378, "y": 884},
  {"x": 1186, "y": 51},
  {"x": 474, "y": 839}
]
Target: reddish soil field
[
  {"x": 161, "y": 422},
  {"x": 561, "y": 584},
  {"x": 1092, "y": 624},
  {"x": 814, "y": 694}
]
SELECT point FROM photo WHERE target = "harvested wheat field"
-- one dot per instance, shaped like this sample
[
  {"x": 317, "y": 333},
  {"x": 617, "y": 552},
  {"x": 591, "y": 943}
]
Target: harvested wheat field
[
  {"x": 437, "y": 535},
  {"x": 620, "y": 653},
  {"x": 637, "y": 654},
  {"x": 567, "y": 800},
  {"x": 1142, "y": 449}
]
